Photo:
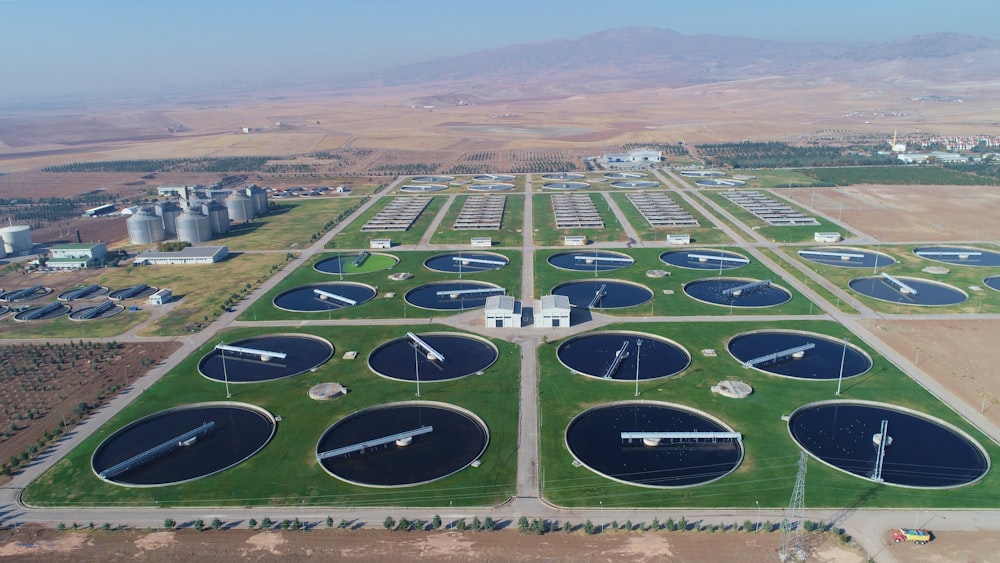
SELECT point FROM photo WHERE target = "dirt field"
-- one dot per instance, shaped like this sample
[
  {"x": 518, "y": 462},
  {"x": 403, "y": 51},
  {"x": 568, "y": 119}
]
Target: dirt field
[
  {"x": 909, "y": 213},
  {"x": 962, "y": 355},
  {"x": 33, "y": 544}
]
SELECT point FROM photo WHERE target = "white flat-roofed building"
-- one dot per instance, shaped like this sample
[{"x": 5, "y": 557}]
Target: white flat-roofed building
[
  {"x": 826, "y": 237},
  {"x": 76, "y": 255},
  {"x": 637, "y": 156},
  {"x": 575, "y": 240},
  {"x": 189, "y": 255},
  {"x": 160, "y": 297},
  {"x": 502, "y": 311},
  {"x": 482, "y": 241},
  {"x": 380, "y": 243},
  {"x": 552, "y": 311},
  {"x": 678, "y": 239}
]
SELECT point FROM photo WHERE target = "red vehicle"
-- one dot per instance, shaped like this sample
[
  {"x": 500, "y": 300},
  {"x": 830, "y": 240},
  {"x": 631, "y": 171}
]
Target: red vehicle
[{"x": 918, "y": 537}]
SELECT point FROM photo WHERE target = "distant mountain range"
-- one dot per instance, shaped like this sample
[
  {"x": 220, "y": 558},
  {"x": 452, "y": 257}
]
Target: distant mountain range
[{"x": 648, "y": 57}]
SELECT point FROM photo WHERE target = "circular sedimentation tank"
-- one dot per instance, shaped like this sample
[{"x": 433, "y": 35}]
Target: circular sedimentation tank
[
  {"x": 175, "y": 451},
  {"x": 959, "y": 255},
  {"x": 402, "y": 358},
  {"x": 83, "y": 292},
  {"x": 625, "y": 175},
  {"x": 847, "y": 257},
  {"x": 495, "y": 187},
  {"x": 563, "y": 176},
  {"x": 321, "y": 297},
  {"x": 139, "y": 291},
  {"x": 452, "y": 295},
  {"x": 921, "y": 452},
  {"x": 822, "y": 361},
  {"x": 727, "y": 292},
  {"x": 420, "y": 188},
  {"x": 702, "y": 173},
  {"x": 623, "y": 355},
  {"x": 634, "y": 184},
  {"x": 915, "y": 291},
  {"x": 604, "y": 294},
  {"x": 992, "y": 282},
  {"x": 25, "y": 293},
  {"x": 47, "y": 312},
  {"x": 345, "y": 263},
  {"x": 720, "y": 183},
  {"x": 594, "y": 438},
  {"x": 490, "y": 178},
  {"x": 303, "y": 352},
  {"x": 565, "y": 186},
  {"x": 466, "y": 262},
  {"x": 450, "y": 438},
  {"x": 593, "y": 261},
  {"x": 704, "y": 259},
  {"x": 104, "y": 310},
  {"x": 432, "y": 179}
]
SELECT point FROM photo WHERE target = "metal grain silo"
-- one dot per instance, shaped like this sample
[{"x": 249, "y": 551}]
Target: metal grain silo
[
  {"x": 168, "y": 212},
  {"x": 193, "y": 227},
  {"x": 16, "y": 239},
  {"x": 259, "y": 197},
  {"x": 218, "y": 217},
  {"x": 144, "y": 227},
  {"x": 240, "y": 207}
]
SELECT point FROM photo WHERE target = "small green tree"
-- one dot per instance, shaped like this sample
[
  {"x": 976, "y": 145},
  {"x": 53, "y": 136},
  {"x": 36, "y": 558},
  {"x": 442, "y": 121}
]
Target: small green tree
[
  {"x": 343, "y": 524},
  {"x": 216, "y": 523},
  {"x": 489, "y": 525},
  {"x": 476, "y": 524},
  {"x": 266, "y": 523},
  {"x": 436, "y": 522},
  {"x": 460, "y": 525},
  {"x": 682, "y": 524},
  {"x": 588, "y": 528},
  {"x": 106, "y": 526},
  {"x": 567, "y": 527},
  {"x": 389, "y": 523},
  {"x": 747, "y": 525},
  {"x": 523, "y": 525},
  {"x": 329, "y": 521},
  {"x": 403, "y": 525},
  {"x": 61, "y": 527},
  {"x": 199, "y": 524},
  {"x": 168, "y": 523},
  {"x": 252, "y": 523}
]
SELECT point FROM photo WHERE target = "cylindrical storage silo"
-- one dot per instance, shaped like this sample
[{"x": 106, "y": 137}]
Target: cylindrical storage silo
[
  {"x": 193, "y": 227},
  {"x": 144, "y": 227},
  {"x": 218, "y": 217},
  {"x": 168, "y": 212},
  {"x": 259, "y": 197},
  {"x": 16, "y": 239},
  {"x": 240, "y": 208}
]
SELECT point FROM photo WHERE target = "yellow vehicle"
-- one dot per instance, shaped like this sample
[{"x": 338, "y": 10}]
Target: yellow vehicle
[{"x": 918, "y": 537}]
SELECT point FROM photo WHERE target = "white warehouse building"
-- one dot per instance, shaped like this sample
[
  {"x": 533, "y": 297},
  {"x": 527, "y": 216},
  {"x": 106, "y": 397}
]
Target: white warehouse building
[
  {"x": 189, "y": 255},
  {"x": 502, "y": 311},
  {"x": 552, "y": 311}
]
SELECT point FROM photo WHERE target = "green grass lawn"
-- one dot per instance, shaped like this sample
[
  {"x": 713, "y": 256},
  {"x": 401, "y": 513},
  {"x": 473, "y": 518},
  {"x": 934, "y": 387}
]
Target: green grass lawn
[
  {"x": 768, "y": 178},
  {"x": 787, "y": 234},
  {"x": 983, "y": 300},
  {"x": 509, "y": 233},
  {"x": 794, "y": 272},
  {"x": 288, "y": 226},
  {"x": 546, "y": 233},
  {"x": 925, "y": 175},
  {"x": 705, "y": 233},
  {"x": 353, "y": 237},
  {"x": 286, "y": 472},
  {"x": 767, "y": 473},
  {"x": 382, "y": 307},
  {"x": 676, "y": 304}
]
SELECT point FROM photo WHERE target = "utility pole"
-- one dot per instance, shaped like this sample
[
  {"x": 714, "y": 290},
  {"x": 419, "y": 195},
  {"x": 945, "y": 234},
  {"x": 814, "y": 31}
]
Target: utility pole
[{"x": 792, "y": 546}]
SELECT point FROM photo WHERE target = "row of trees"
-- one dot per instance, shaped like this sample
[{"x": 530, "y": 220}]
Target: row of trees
[{"x": 782, "y": 155}]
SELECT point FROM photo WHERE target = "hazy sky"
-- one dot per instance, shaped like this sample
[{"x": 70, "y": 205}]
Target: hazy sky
[{"x": 63, "y": 48}]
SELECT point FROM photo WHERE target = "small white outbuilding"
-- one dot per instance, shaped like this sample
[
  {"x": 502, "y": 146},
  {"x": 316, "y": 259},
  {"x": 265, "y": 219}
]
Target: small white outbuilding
[
  {"x": 502, "y": 311},
  {"x": 552, "y": 311}
]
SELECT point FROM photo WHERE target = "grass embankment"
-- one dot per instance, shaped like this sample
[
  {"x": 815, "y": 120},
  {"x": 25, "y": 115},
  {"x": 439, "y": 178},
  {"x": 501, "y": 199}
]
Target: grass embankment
[
  {"x": 705, "y": 233},
  {"x": 906, "y": 175},
  {"x": 286, "y": 472},
  {"x": 291, "y": 224},
  {"x": 546, "y": 233},
  {"x": 794, "y": 272},
  {"x": 382, "y": 307},
  {"x": 508, "y": 235},
  {"x": 677, "y": 303},
  {"x": 963, "y": 278},
  {"x": 767, "y": 473},
  {"x": 353, "y": 237}
]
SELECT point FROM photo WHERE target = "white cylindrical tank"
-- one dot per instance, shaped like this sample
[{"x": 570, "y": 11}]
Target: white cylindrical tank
[
  {"x": 240, "y": 208},
  {"x": 259, "y": 197},
  {"x": 218, "y": 217},
  {"x": 16, "y": 239},
  {"x": 193, "y": 227},
  {"x": 168, "y": 212},
  {"x": 144, "y": 227}
]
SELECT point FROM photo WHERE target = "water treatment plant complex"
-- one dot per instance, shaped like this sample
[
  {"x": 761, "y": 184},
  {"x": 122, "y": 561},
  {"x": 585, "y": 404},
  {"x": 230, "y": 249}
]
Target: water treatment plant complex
[{"x": 447, "y": 404}]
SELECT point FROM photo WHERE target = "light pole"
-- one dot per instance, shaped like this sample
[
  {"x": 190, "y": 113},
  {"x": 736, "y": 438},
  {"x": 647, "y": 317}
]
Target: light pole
[
  {"x": 756, "y": 528},
  {"x": 225, "y": 374},
  {"x": 638, "y": 351},
  {"x": 126, "y": 376},
  {"x": 878, "y": 245},
  {"x": 843, "y": 358}
]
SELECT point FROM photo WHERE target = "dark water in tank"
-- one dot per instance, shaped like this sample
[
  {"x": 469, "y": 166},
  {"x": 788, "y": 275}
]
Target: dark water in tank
[
  {"x": 985, "y": 259},
  {"x": 993, "y": 282},
  {"x": 682, "y": 259},
  {"x": 617, "y": 294},
  {"x": 303, "y": 354},
  {"x": 711, "y": 290},
  {"x": 426, "y": 297},
  {"x": 928, "y": 293},
  {"x": 304, "y": 299},
  {"x": 868, "y": 259},
  {"x": 821, "y": 362},
  {"x": 238, "y": 433},
  {"x": 463, "y": 356},
  {"x": 569, "y": 261},
  {"x": 448, "y": 263},
  {"x": 456, "y": 441},
  {"x": 593, "y": 354},
  {"x": 922, "y": 454},
  {"x": 594, "y": 438}
]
